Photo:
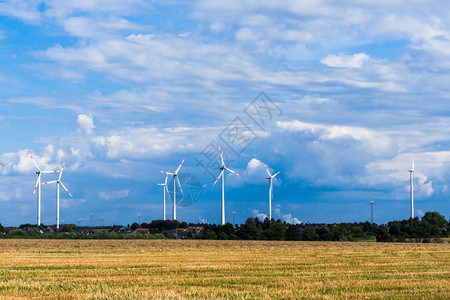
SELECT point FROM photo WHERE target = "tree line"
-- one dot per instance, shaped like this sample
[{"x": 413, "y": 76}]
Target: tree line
[{"x": 432, "y": 227}]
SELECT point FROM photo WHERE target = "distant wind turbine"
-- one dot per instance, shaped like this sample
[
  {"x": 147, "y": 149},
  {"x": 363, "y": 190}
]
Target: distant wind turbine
[
  {"x": 38, "y": 186},
  {"x": 58, "y": 182},
  {"x": 164, "y": 185},
  {"x": 223, "y": 168},
  {"x": 411, "y": 188},
  {"x": 270, "y": 178},
  {"x": 175, "y": 176},
  {"x": 372, "y": 203}
]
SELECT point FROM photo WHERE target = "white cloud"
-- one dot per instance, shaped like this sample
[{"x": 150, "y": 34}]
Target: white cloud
[
  {"x": 290, "y": 219},
  {"x": 111, "y": 195},
  {"x": 25, "y": 10},
  {"x": 86, "y": 123},
  {"x": 19, "y": 162},
  {"x": 138, "y": 142},
  {"x": 376, "y": 140},
  {"x": 345, "y": 61},
  {"x": 431, "y": 170},
  {"x": 255, "y": 165},
  {"x": 260, "y": 216}
]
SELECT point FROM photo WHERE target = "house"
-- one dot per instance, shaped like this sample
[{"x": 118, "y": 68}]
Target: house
[{"x": 47, "y": 230}]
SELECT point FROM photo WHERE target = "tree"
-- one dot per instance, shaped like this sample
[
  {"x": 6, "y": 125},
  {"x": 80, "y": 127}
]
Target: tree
[
  {"x": 275, "y": 232},
  {"x": 2, "y": 229},
  {"x": 134, "y": 226},
  {"x": 209, "y": 234},
  {"x": 293, "y": 233},
  {"x": 309, "y": 234},
  {"x": 17, "y": 232},
  {"x": 435, "y": 218},
  {"x": 184, "y": 225},
  {"x": 323, "y": 233},
  {"x": 32, "y": 231},
  {"x": 222, "y": 236},
  {"x": 383, "y": 235},
  {"x": 249, "y": 231}
]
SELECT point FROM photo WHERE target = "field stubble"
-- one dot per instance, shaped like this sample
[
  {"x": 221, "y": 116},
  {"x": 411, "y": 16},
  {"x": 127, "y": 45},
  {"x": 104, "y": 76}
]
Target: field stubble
[{"x": 165, "y": 269}]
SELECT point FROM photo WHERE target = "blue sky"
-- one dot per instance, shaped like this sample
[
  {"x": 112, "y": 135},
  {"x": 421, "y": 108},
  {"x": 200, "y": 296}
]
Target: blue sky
[{"x": 122, "y": 89}]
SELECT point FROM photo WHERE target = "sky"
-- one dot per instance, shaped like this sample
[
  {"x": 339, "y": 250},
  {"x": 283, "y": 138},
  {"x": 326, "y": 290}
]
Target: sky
[{"x": 339, "y": 96}]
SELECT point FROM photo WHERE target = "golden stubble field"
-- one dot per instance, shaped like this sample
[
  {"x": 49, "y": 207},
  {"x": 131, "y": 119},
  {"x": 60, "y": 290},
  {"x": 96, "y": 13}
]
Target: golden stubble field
[{"x": 174, "y": 269}]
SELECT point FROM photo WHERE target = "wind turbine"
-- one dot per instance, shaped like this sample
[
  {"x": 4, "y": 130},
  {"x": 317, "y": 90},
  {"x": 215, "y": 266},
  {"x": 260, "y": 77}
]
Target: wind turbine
[
  {"x": 175, "y": 176},
  {"x": 223, "y": 168},
  {"x": 39, "y": 172},
  {"x": 164, "y": 185},
  {"x": 411, "y": 188},
  {"x": 58, "y": 182},
  {"x": 270, "y": 178}
]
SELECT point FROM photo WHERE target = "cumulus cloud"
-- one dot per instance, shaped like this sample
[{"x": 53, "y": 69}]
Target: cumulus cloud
[
  {"x": 430, "y": 167},
  {"x": 86, "y": 123},
  {"x": 259, "y": 215},
  {"x": 20, "y": 163},
  {"x": 288, "y": 218},
  {"x": 378, "y": 141}
]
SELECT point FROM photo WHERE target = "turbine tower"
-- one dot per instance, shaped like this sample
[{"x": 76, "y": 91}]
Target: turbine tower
[
  {"x": 270, "y": 178},
  {"x": 39, "y": 172},
  {"x": 175, "y": 176},
  {"x": 223, "y": 168},
  {"x": 164, "y": 185},
  {"x": 411, "y": 188},
  {"x": 58, "y": 182}
]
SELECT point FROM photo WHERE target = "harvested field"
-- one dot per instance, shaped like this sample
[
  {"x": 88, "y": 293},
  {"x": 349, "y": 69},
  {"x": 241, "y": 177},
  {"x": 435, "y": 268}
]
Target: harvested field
[{"x": 165, "y": 269}]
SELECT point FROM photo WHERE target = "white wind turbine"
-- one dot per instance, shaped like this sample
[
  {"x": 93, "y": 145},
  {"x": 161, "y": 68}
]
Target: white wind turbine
[
  {"x": 223, "y": 168},
  {"x": 270, "y": 178},
  {"x": 164, "y": 185},
  {"x": 411, "y": 188},
  {"x": 39, "y": 172},
  {"x": 58, "y": 182},
  {"x": 175, "y": 176}
]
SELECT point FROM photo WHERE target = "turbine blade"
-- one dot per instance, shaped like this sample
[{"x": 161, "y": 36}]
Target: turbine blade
[
  {"x": 221, "y": 156},
  {"x": 275, "y": 174},
  {"x": 221, "y": 173},
  {"x": 49, "y": 182},
  {"x": 62, "y": 184},
  {"x": 62, "y": 169},
  {"x": 176, "y": 172},
  {"x": 168, "y": 193},
  {"x": 165, "y": 182},
  {"x": 34, "y": 162},
  {"x": 267, "y": 170},
  {"x": 168, "y": 173},
  {"x": 179, "y": 184},
  {"x": 37, "y": 182},
  {"x": 161, "y": 184},
  {"x": 229, "y": 170},
  {"x": 50, "y": 172}
]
